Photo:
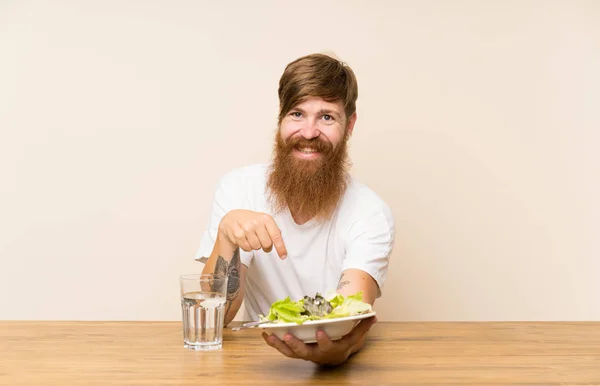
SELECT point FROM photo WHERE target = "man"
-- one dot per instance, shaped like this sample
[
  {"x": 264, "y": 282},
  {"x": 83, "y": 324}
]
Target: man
[{"x": 301, "y": 224}]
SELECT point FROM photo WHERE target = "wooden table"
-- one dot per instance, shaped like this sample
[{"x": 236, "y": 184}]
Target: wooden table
[{"x": 151, "y": 353}]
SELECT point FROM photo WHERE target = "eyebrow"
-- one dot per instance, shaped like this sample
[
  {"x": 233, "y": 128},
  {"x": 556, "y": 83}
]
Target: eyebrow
[
  {"x": 329, "y": 112},
  {"x": 320, "y": 112}
]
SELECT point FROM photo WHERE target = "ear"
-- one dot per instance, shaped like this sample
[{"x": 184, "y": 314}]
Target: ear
[{"x": 351, "y": 123}]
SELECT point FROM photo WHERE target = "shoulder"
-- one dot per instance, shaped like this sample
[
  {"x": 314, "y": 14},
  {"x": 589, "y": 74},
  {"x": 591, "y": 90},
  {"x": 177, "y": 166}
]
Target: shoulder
[
  {"x": 360, "y": 198},
  {"x": 361, "y": 202},
  {"x": 244, "y": 186}
]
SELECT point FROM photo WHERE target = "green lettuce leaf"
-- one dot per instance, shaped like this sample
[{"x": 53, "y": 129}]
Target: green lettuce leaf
[
  {"x": 357, "y": 296},
  {"x": 336, "y": 300},
  {"x": 351, "y": 305},
  {"x": 287, "y": 310}
]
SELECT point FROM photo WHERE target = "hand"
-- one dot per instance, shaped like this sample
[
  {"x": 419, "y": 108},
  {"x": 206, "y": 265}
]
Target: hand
[
  {"x": 252, "y": 231},
  {"x": 325, "y": 351}
]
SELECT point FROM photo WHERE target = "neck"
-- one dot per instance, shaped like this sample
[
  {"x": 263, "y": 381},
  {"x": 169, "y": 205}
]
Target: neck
[{"x": 300, "y": 218}]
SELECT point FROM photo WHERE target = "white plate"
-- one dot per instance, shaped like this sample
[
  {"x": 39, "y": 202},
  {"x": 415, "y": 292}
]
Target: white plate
[{"x": 307, "y": 331}]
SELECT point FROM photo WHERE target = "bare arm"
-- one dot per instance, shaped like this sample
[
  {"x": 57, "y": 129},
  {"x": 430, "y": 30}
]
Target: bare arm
[
  {"x": 225, "y": 260},
  {"x": 249, "y": 231},
  {"x": 353, "y": 281}
]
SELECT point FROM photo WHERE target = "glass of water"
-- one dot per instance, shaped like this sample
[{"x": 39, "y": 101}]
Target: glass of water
[{"x": 203, "y": 299}]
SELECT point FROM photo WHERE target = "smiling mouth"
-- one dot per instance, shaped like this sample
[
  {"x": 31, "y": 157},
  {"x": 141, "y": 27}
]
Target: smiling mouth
[{"x": 306, "y": 150}]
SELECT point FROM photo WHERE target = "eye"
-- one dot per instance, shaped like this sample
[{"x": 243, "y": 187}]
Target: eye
[
  {"x": 296, "y": 114},
  {"x": 327, "y": 117}
]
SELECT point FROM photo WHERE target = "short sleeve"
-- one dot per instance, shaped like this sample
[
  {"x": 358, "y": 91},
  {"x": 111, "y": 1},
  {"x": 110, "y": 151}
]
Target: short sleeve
[
  {"x": 227, "y": 197},
  {"x": 369, "y": 245}
]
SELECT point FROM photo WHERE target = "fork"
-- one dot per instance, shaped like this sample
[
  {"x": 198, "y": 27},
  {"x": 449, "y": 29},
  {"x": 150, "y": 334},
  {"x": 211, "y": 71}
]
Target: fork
[{"x": 247, "y": 325}]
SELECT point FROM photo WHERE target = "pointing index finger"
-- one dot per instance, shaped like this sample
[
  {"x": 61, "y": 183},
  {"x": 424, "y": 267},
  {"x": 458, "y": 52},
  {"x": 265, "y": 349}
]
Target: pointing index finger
[{"x": 275, "y": 235}]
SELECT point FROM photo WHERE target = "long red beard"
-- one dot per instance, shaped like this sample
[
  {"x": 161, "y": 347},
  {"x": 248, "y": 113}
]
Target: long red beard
[{"x": 309, "y": 188}]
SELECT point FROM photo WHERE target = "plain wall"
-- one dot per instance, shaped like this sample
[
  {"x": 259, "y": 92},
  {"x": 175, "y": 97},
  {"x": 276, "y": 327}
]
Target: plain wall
[{"x": 477, "y": 122}]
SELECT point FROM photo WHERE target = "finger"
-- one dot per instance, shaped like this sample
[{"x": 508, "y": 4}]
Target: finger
[
  {"x": 239, "y": 236},
  {"x": 298, "y": 347},
  {"x": 277, "y": 344},
  {"x": 265, "y": 239},
  {"x": 250, "y": 231},
  {"x": 275, "y": 235},
  {"x": 325, "y": 344},
  {"x": 253, "y": 240},
  {"x": 360, "y": 330}
]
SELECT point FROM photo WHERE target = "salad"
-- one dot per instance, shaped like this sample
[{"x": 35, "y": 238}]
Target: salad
[{"x": 309, "y": 308}]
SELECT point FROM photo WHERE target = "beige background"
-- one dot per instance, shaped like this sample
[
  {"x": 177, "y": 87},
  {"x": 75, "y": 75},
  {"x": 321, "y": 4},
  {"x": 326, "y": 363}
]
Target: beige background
[{"x": 478, "y": 123}]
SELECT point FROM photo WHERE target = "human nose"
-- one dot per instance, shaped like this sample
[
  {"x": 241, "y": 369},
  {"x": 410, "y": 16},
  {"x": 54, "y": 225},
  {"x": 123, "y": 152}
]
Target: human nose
[{"x": 310, "y": 130}]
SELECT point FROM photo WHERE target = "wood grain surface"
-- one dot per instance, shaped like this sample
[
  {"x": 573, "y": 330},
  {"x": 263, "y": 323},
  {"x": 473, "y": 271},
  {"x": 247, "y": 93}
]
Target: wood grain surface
[{"x": 152, "y": 353}]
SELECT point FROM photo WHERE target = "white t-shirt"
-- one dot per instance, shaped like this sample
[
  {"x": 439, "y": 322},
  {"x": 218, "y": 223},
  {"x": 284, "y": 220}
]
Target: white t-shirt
[{"x": 359, "y": 235}]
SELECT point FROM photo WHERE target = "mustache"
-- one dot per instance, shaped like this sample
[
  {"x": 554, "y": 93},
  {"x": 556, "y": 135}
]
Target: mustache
[{"x": 316, "y": 144}]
